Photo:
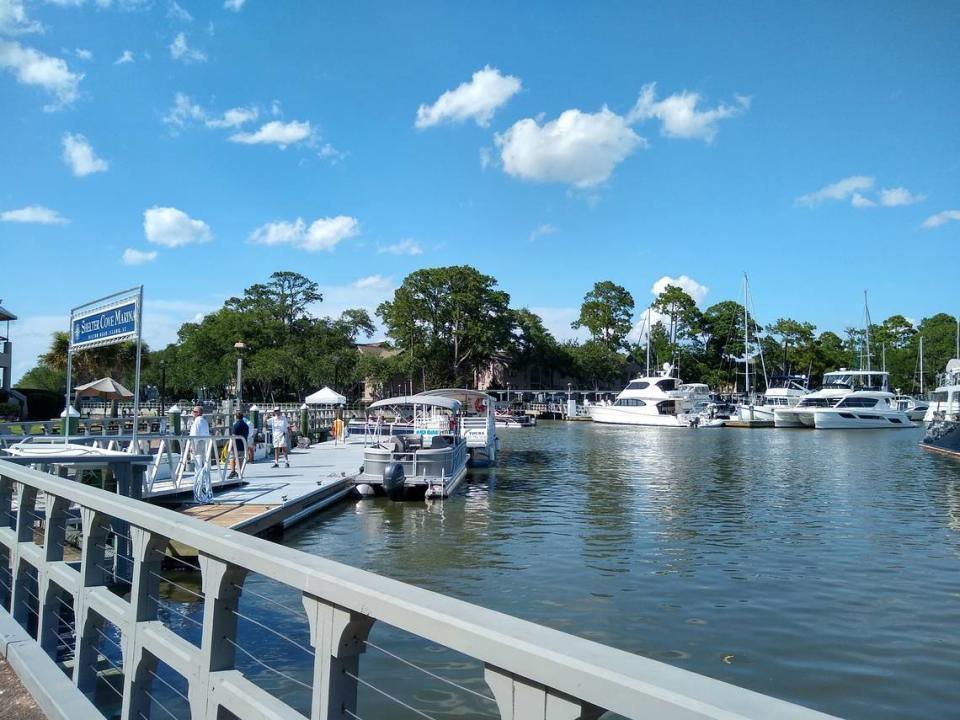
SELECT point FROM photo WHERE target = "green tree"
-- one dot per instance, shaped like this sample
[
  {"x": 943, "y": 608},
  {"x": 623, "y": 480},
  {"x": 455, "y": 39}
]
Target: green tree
[
  {"x": 450, "y": 322},
  {"x": 607, "y": 312},
  {"x": 681, "y": 311},
  {"x": 597, "y": 364}
]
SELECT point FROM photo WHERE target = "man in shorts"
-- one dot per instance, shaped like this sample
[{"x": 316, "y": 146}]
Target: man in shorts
[{"x": 279, "y": 427}]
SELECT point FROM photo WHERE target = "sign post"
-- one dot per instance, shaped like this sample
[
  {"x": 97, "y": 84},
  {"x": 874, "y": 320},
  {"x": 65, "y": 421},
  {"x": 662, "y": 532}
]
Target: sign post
[{"x": 107, "y": 321}]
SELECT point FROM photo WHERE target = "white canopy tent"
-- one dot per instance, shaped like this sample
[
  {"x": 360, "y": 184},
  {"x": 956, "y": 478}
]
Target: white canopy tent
[{"x": 326, "y": 396}]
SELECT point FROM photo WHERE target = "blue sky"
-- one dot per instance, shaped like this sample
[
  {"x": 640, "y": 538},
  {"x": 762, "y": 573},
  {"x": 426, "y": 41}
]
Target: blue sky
[{"x": 195, "y": 147}]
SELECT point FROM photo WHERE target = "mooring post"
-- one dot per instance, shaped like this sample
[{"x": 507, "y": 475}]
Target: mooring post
[
  {"x": 521, "y": 699},
  {"x": 338, "y": 636}
]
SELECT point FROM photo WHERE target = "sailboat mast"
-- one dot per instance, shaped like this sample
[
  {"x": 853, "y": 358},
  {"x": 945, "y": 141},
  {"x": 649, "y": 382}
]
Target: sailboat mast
[
  {"x": 746, "y": 341},
  {"x": 866, "y": 312},
  {"x": 921, "y": 366},
  {"x": 648, "y": 342}
]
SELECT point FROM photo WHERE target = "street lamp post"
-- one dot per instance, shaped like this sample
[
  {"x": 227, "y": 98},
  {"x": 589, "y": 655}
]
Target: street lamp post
[
  {"x": 239, "y": 347},
  {"x": 163, "y": 385}
]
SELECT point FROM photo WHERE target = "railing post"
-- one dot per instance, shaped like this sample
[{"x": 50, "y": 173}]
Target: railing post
[
  {"x": 26, "y": 503},
  {"x": 521, "y": 699},
  {"x": 338, "y": 637},
  {"x": 54, "y": 536},
  {"x": 221, "y": 593},
  {"x": 139, "y": 665},
  {"x": 92, "y": 574}
]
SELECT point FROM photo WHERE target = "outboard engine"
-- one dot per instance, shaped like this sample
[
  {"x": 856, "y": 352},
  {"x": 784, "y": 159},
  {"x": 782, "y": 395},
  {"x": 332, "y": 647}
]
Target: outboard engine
[{"x": 393, "y": 481}]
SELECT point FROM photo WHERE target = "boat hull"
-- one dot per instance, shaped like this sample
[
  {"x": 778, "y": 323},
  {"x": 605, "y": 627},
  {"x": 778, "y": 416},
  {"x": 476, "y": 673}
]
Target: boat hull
[
  {"x": 793, "y": 418},
  {"x": 613, "y": 415},
  {"x": 943, "y": 436},
  {"x": 851, "y": 419}
]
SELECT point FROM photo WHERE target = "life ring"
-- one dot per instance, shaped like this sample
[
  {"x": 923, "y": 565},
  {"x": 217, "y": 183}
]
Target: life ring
[{"x": 479, "y": 406}]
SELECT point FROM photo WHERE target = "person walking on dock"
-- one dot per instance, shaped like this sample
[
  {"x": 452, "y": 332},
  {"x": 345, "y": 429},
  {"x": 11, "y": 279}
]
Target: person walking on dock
[
  {"x": 199, "y": 428},
  {"x": 279, "y": 428},
  {"x": 240, "y": 430}
]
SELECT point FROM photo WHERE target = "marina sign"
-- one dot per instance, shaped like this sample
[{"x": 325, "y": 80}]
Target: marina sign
[{"x": 104, "y": 326}]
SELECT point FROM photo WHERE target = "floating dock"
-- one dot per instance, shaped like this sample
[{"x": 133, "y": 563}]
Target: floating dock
[{"x": 272, "y": 498}]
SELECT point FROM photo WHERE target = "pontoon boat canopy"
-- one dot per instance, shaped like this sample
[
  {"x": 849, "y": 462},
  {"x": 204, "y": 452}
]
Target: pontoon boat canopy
[
  {"x": 444, "y": 402},
  {"x": 466, "y": 397}
]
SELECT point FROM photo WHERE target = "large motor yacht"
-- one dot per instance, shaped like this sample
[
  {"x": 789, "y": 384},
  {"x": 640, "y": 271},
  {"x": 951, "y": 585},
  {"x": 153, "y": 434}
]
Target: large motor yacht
[
  {"x": 836, "y": 385},
  {"x": 863, "y": 409},
  {"x": 661, "y": 400},
  {"x": 943, "y": 415}
]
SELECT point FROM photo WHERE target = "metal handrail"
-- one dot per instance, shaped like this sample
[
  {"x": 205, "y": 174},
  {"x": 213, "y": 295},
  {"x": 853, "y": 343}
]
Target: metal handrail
[{"x": 521, "y": 659}]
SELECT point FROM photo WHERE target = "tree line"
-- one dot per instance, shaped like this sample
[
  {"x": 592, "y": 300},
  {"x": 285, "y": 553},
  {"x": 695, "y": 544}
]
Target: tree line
[{"x": 449, "y": 326}]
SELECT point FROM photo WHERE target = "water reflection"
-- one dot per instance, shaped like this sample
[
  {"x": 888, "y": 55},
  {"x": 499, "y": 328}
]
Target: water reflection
[{"x": 814, "y": 566}]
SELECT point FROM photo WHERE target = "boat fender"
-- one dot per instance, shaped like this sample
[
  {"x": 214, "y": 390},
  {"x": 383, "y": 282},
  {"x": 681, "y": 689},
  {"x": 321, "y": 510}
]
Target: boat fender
[{"x": 393, "y": 480}]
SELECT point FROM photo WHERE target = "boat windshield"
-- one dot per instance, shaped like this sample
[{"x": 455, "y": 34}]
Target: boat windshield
[{"x": 855, "y": 380}]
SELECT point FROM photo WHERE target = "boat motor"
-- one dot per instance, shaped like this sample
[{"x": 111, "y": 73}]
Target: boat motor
[{"x": 393, "y": 480}]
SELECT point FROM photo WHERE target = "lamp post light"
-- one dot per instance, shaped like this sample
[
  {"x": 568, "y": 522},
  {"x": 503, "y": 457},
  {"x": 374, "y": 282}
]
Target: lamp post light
[
  {"x": 239, "y": 347},
  {"x": 163, "y": 385}
]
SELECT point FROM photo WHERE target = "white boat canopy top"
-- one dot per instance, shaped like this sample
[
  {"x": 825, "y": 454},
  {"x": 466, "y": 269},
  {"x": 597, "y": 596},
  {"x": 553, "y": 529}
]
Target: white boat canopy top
[
  {"x": 467, "y": 398},
  {"x": 438, "y": 401}
]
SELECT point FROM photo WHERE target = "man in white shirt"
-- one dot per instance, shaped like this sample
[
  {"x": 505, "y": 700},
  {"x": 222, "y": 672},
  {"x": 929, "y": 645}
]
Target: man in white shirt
[
  {"x": 199, "y": 428},
  {"x": 279, "y": 428}
]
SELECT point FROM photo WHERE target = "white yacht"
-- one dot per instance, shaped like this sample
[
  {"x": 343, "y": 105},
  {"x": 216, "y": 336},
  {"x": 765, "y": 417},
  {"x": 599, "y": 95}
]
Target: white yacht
[
  {"x": 836, "y": 385},
  {"x": 862, "y": 409},
  {"x": 782, "y": 392},
  {"x": 943, "y": 415},
  {"x": 661, "y": 400},
  {"x": 430, "y": 463},
  {"x": 915, "y": 408}
]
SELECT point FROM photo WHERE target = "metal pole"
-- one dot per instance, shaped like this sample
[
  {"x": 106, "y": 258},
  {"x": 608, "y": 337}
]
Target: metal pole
[
  {"x": 136, "y": 379},
  {"x": 66, "y": 409},
  {"x": 239, "y": 382}
]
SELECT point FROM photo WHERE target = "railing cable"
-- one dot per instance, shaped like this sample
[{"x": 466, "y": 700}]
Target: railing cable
[
  {"x": 159, "y": 704},
  {"x": 295, "y": 611},
  {"x": 388, "y": 695},
  {"x": 259, "y": 662},
  {"x": 427, "y": 672},
  {"x": 280, "y": 635},
  {"x": 157, "y": 677},
  {"x": 176, "y": 585},
  {"x": 172, "y": 608},
  {"x": 105, "y": 681}
]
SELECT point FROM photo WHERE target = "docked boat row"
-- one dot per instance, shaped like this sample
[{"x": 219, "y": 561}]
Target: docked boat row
[{"x": 943, "y": 413}]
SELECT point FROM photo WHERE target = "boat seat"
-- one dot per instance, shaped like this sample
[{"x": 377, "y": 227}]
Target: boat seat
[{"x": 441, "y": 441}]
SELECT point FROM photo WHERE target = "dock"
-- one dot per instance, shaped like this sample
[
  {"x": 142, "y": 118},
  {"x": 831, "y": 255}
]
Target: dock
[{"x": 270, "y": 499}]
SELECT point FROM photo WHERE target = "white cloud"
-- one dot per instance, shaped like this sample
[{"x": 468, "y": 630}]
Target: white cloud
[
  {"x": 678, "y": 114},
  {"x": 486, "y": 157},
  {"x": 578, "y": 148},
  {"x": 276, "y": 133},
  {"x": 475, "y": 100},
  {"x": 171, "y": 227},
  {"x": 894, "y": 197},
  {"x": 138, "y": 257},
  {"x": 840, "y": 190},
  {"x": 32, "y": 67},
  {"x": 860, "y": 201},
  {"x": 14, "y": 19},
  {"x": 79, "y": 156},
  {"x": 184, "y": 111},
  {"x": 322, "y": 234},
  {"x": 235, "y": 5},
  {"x": 234, "y": 117},
  {"x": 373, "y": 281},
  {"x": 404, "y": 247},
  {"x": 694, "y": 289},
  {"x": 126, "y": 57},
  {"x": 330, "y": 153},
  {"x": 541, "y": 230},
  {"x": 83, "y": 54},
  {"x": 177, "y": 13},
  {"x": 180, "y": 50},
  {"x": 34, "y": 214},
  {"x": 941, "y": 218}
]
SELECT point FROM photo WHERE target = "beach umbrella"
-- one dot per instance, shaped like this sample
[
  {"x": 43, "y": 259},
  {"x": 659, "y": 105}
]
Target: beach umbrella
[{"x": 106, "y": 388}]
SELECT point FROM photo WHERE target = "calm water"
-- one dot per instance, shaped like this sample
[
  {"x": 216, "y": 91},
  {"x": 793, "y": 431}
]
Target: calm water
[{"x": 818, "y": 567}]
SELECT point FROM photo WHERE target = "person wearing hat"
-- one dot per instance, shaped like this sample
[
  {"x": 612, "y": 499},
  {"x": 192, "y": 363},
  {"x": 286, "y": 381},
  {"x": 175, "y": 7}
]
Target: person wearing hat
[
  {"x": 200, "y": 429},
  {"x": 279, "y": 427}
]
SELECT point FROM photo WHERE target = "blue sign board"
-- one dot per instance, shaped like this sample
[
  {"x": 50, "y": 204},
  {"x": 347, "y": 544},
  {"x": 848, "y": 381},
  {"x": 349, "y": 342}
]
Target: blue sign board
[{"x": 104, "y": 326}]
